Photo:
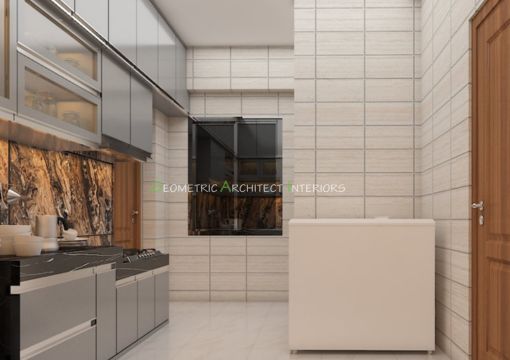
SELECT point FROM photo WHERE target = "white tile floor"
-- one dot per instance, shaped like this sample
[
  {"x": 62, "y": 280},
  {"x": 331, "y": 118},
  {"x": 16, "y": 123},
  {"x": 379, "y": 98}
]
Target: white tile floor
[{"x": 238, "y": 331}]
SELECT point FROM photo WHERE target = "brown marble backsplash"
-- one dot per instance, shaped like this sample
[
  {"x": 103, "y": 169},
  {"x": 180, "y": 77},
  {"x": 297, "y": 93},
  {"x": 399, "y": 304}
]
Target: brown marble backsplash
[{"x": 50, "y": 180}]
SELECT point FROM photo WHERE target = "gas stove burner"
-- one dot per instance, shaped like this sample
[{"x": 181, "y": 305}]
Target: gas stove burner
[{"x": 136, "y": 255}]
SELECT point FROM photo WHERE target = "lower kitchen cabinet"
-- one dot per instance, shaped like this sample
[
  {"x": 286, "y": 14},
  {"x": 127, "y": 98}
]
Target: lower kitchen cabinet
[
  {"x": 161, "y": 294},
  {"x": 106, "y": 325},
  {"x": 78, "y": 347},
  {"x": 145, "y": 305},
  {"x": 127, "y": 315}
]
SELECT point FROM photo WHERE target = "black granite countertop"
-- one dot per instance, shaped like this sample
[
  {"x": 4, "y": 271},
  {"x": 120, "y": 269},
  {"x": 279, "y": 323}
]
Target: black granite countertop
[{"x": 28, "y": 268}]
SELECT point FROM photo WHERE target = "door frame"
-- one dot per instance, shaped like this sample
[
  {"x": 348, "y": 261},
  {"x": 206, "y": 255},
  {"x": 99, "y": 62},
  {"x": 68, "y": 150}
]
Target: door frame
[{"x": 478, "y": 17}]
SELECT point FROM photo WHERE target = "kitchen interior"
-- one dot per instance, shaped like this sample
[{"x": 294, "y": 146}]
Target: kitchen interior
[{"x": 107, "y": 104}]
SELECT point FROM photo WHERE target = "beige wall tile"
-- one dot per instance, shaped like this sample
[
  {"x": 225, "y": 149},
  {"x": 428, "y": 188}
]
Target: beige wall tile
[
  {"x": 340, "y": 207},
  {"x": 394, "y": 207},
  {"x": 393, "y": 113},
  {"x": 339, "y": 137},
  {"x": 340, "y": 43},
  {"x": 389, "y": 137},
  {"x": 389, "y": 43},
  {"x": 340, "y": 113},
  {"x": 389, "y": 90},
  {"x": 389, "y": 161},
  {"x": 340, "y": 90},
  {"x": 340, "y": 19},
  {"x": 189, "y": 296},
  {"x": 268, "y": 281},
  {"x": 389, "y": 184},
  {"x": 340, "y": 160},
  {"x": 211, "y": 68},
  {"x": 228, "y": 264},
  {"x": 394, "y": 19},
  {"x": 249, "y": 68},
  {"x": 271, "y": 264},
  {"x": 189, "y": 264},
  {"x": 276, "y": 296},
  {"x": 228, "y": 281},
  {"x": 341, "y": 67},
  {"x": 249, "y": 53},
  {"x": 389, "y": 66}
]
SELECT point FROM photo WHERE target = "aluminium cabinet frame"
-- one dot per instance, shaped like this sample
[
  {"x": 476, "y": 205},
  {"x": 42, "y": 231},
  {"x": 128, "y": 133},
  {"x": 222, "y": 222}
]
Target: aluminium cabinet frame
[{"x": 10, "y": 102}]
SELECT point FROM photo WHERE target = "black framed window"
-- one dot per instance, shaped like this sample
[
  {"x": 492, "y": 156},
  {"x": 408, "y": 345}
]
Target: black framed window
[{"x": 236, "y": 172}]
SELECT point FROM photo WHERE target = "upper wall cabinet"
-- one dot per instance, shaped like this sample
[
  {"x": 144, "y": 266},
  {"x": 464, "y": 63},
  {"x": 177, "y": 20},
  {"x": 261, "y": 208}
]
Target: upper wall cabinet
[
  {"x": 182, "y": 92},
  {"x": 116, "y": 101},
  {"x": 52, "y": 100},
  {"x": 8, "y": 54},
  {"x": 147, "y": 38},
  {"x": 122, "y": 30},
  {"x": 166, "y": 58},
  {"x": 141, "y": 115},
  {"x": 63, "y": 49},
  {"x": 95, "y": 13}
]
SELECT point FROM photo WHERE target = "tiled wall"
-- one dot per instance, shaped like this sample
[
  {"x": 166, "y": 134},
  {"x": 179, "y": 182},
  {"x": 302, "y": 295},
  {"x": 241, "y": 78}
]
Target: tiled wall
[
  {"x": 213, "y": 267},
  {"x": 356, "y": 92},
  {"x": 444, "y": 158},
  {"x": 240, "y": 69}
]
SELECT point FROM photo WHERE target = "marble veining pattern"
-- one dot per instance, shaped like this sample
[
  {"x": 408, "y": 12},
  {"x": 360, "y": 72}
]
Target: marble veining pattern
[
  {"x": 49, "y": 180},
  {"x": 4, "y": 175},
  {"x": 239, "y": 331}
]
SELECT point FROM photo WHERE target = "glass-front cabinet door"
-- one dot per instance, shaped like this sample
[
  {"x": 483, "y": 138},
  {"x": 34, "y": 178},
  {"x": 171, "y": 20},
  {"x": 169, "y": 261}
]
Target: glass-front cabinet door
[
  {"x": 7, "y": 53},
  {"x": 44, "y": 38},
  {"x": 46, "y": 97}
]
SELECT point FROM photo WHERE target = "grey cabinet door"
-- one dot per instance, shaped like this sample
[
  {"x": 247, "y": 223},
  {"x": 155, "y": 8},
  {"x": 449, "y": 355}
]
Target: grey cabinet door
[
  {"x": 53, "y": 310},
  {"x": 79, "y": 347},
  {"x": 182, "y": 92},
  {"x": 161, "y": 291},
  {"x": 127, "y": 315},
  {"x": 141, "y": 115},
  {"x": 106, "y": 315},
  {"x": 146, "y": 304},
  {"x": 147, "y": 39},
  {"x": 95, "y": 13},
  {"x": 122, "y": 27},
  {"x": 116, "y": 101},
  {"x": 166, "y": 58}
]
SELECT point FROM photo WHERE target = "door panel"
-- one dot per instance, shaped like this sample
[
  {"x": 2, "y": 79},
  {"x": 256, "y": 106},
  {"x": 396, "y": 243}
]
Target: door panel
[{"x": 491, "y": 180}]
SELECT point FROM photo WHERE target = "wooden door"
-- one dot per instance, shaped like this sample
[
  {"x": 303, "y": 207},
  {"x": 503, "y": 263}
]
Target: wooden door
[
  {"x": 127, "y": 204},
  {"x": 491, "y": 180}
]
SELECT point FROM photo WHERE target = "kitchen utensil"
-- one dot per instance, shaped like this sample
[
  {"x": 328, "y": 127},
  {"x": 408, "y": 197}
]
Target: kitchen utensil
[
  {"x": 28, "y": 245},
  {"x": 70, "y": 234},
  {"x": 50, "y": 244},
  {"x": 7, "y": 233},
  {"x": 46, "y": 226},
  {"x": 12, "y": 196}
]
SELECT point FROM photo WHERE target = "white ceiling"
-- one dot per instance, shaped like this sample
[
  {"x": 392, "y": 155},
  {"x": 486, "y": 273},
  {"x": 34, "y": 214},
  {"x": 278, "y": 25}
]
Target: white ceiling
[{"x": 230, "y": 22}]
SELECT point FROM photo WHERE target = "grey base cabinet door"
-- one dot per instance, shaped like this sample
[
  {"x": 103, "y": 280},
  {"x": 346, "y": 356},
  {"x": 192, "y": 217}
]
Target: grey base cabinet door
[
  {"x": 78, "y": 347},
  {"x": 161, "y": 293},
  {"x": 145, "y": 306},
  {"x": 95, "y": 13},
  {"x": 106, "y": 315},
  {"x": 127, "y": 315},
  {"x": 116, "y": 101},
  {"x": 51, "y": 311},
  {"x": 141, "y": 115}
]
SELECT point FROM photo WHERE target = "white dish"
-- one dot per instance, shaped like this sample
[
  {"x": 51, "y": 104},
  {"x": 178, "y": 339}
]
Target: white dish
[
  {"x": 7, "y": 233},
  {"x": 25, "y": 246}
]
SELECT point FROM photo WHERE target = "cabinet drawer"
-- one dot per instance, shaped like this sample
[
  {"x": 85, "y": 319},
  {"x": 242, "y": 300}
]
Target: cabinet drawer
[
  {"x": 127, "y": 315},
  {"x": 78, "y": 347},
  {"x": 49, "y": 311}
]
